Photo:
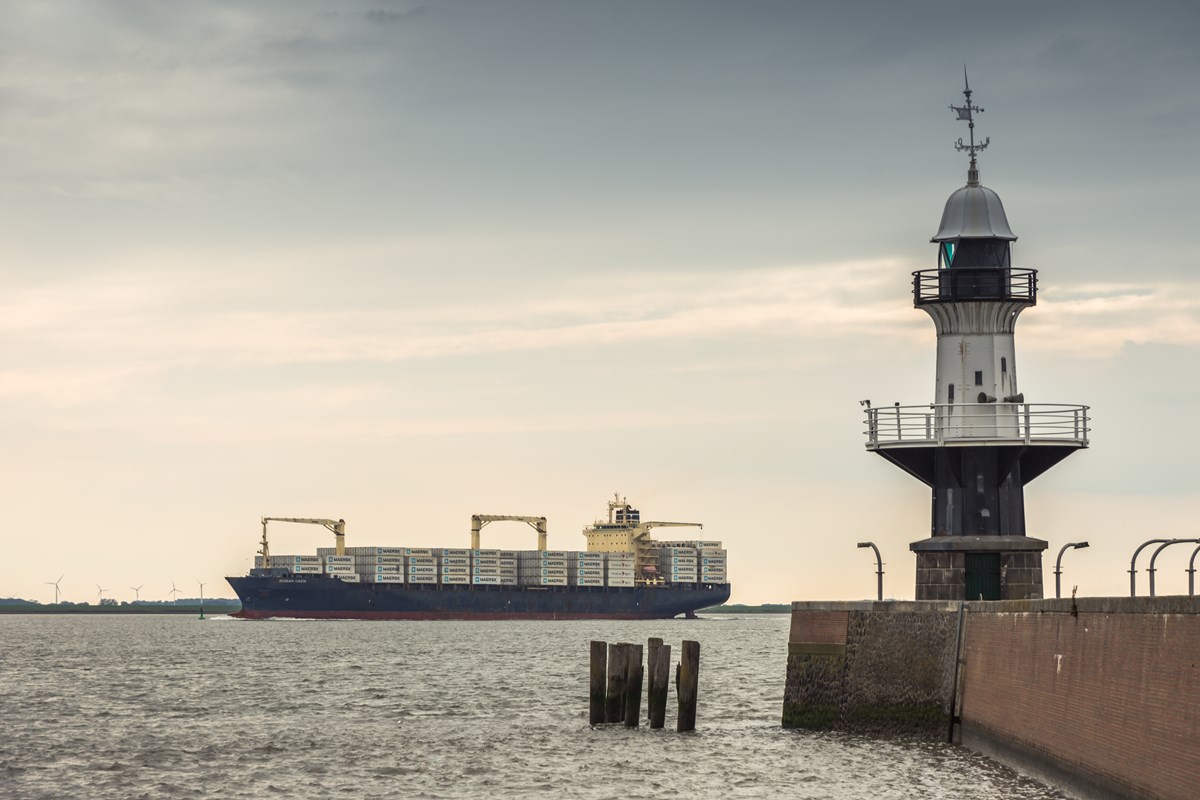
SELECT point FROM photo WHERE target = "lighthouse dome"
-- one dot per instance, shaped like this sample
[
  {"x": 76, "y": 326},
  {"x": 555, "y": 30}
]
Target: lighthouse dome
[{"x": 974, "y": 212}]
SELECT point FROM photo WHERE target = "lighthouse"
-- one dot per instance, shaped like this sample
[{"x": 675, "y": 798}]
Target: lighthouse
[{"x": 979, "y": 442}]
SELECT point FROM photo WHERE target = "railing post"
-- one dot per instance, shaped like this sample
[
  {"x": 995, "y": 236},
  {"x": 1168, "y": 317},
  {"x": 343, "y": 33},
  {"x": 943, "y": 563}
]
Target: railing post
[
  {"x": 1191, "y": 571},
  {"x": 899, "y": 427},
  {"x": 1133, "y": 564},
  {"x": 1027, "y": 431},
  {"x": 928, "y": 427}
]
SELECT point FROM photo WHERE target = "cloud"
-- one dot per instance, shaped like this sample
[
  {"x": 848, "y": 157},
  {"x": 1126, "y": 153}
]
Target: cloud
[{"x": 1098, "y": 320}]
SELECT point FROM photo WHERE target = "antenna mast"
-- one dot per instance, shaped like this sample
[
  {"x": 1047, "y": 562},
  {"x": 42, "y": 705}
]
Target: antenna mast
[{"x": 968, "y": 112}]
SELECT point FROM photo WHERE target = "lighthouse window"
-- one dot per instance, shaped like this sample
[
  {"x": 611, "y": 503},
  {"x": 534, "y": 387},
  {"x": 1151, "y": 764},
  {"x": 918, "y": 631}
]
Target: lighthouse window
[
  {"x": 947, "y": 253},
  {"x": 1004, "y": 365},
  {"x": 979, "y": 377},
  {"x": 950, "y": 394}
]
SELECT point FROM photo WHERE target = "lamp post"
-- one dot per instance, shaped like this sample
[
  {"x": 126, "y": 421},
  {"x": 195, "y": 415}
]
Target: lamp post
[
  {"x": 1167, "y": 543},
  {"x": 879, "y": 568},
  {"x": 1058, "y": 565}
]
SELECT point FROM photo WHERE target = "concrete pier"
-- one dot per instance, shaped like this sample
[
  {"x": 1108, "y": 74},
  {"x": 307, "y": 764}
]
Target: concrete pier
[{"x": 1100, "y": 696}]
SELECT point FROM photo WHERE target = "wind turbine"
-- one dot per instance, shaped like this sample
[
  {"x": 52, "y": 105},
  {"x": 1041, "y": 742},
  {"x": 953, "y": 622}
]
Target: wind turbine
[
  {"x": 137, "y": 593},
  {"x": 174, "y": 594},
  {"x": 55, "y": 585},
  {"x": 100, "y": 593},
  {"x": 201, "y": 599}
]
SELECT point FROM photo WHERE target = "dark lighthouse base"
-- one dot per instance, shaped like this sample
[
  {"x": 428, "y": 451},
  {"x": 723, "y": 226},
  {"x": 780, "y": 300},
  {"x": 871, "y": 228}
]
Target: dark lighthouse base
[{"x": 979, "y": 568}]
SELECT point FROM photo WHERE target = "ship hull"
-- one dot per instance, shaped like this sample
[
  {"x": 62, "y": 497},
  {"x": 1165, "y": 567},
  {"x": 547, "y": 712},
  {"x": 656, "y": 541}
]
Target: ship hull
[{"x": 323, "y": 597}]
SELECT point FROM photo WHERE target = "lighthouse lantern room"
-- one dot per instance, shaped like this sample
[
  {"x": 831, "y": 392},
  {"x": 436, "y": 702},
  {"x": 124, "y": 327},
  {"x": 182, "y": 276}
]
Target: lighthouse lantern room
[{"x": 979, "y": 442}]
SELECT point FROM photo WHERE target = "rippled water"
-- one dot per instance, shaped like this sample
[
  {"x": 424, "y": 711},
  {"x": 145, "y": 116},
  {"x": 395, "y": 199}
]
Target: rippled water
[{"x": 163, "y": 706}]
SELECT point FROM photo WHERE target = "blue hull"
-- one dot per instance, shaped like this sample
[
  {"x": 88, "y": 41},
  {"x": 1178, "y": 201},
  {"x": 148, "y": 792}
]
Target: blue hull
[{"x": 323, "y": 597}]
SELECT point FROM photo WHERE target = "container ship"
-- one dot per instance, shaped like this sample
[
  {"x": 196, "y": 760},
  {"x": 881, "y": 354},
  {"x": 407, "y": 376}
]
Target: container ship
[{"x": 623, "y": 574}]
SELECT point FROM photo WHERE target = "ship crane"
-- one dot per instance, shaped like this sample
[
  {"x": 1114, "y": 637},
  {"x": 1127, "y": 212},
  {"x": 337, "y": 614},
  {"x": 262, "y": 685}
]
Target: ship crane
[
  {"x": 337, "y": 526},
  {"x": 479, "y": 520},
  {"x": 621, "y": 513},
  {"x": 644, "y": 527}
]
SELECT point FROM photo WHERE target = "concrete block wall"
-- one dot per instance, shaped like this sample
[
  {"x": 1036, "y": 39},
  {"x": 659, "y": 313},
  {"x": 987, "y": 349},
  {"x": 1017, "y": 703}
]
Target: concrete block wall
[{"x": 877, "y": 668}]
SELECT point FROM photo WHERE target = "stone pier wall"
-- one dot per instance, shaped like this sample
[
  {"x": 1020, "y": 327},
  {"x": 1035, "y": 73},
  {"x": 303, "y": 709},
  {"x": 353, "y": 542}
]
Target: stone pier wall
[
  {"x": 1100, "y": 696},
  {"x": 880, "y": 668}
]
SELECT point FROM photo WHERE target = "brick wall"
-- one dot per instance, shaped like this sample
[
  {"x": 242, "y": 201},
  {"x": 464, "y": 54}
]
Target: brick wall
[{"x": 1110, "y": 697}]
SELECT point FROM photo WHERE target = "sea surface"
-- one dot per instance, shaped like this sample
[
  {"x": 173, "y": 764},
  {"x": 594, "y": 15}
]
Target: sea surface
[{"x": 174, "y": 707}]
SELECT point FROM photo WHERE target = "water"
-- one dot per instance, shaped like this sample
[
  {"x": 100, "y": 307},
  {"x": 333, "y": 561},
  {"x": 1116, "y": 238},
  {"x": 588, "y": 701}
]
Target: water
[{"x": 171, "y": 707}]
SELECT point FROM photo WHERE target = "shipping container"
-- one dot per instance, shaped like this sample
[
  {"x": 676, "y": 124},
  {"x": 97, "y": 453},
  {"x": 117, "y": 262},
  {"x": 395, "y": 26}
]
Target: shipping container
[
  {"x": 349, "y": 577},
  {"x": 422, "y": 560},
  {"x": 585, "y": 581},
  {"x": 418, "y": 551}
]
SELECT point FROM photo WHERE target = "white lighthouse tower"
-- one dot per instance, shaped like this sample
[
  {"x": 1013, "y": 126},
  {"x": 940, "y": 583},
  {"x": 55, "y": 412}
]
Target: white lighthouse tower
[{"x": 978, "y": 443}]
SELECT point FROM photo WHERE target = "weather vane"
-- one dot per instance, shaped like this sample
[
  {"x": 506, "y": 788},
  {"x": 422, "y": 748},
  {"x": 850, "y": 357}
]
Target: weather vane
[{"x": 967, "y": 112}]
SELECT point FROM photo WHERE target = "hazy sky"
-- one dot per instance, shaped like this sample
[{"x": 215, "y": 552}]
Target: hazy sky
[{"x": 403, "y": 263}]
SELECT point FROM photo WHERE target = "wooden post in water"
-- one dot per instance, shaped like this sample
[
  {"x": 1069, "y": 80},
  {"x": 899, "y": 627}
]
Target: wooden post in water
[
  {"x": 652, "y": 647},
  {"x": 633, "y": 687},
  {"x": 618, "y": 668},
  {"x": 599, "y": 665},
  {"x": 687, "y": 679},
  {"x": 660, "y": 681}
]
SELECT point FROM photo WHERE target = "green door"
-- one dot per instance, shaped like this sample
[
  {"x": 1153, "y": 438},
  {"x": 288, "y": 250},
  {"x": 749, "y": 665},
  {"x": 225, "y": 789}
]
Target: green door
[{"x": 983, "y": 576}]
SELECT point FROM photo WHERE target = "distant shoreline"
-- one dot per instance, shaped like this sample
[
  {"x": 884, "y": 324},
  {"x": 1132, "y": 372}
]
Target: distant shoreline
[
  {"x": 230, "y": 607},
  {"x": 734, "y": 608},
  {"x": 210, "y": 608}
]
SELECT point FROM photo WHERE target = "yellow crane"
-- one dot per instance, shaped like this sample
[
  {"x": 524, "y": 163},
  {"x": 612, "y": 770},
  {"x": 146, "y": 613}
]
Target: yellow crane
[
  {"x": 337, "y": 526},
  {"x": 479, "y": 520}
]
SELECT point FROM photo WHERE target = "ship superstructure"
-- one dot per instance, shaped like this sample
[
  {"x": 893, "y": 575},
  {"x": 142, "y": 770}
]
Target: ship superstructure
[{"x": 979, "y": 442}]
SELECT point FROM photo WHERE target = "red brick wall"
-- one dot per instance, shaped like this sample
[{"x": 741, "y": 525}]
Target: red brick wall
[
  {"x": 1113, "y": 695},
  {"x": 819, "y": 627}
]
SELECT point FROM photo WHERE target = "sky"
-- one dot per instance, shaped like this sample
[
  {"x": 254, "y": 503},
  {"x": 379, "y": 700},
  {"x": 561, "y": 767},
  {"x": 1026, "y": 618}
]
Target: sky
[{"x": 402, "y": 263}]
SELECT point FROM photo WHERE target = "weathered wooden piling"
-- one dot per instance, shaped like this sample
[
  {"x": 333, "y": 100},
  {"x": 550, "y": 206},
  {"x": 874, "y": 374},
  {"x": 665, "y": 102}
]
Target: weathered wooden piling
[
  {"x": 652, "y": 646},
  {"x": 660, "y": 680},
  {"x": 618, "y": 669},
  {"x": 633, "y": 687},
  {"x": 599, "y": 667},
  {"x": 687, "y": 682}
]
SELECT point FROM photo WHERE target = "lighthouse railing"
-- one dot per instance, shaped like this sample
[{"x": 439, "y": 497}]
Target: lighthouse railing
[
  {"x": 939, "y": 424},
  {"x": 955, "y": 284}
]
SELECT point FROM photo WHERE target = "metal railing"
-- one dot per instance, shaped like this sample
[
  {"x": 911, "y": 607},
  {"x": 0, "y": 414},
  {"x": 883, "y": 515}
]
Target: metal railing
[
  {"x": 898, "y": 425},
  {"x": 975, "y": 283}
]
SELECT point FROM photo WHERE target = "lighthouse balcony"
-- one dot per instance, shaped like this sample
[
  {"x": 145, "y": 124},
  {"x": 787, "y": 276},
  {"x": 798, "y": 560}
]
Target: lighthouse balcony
[
  {"x": 957, "y": 284},
  {"x": 975, "y": 424}
]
